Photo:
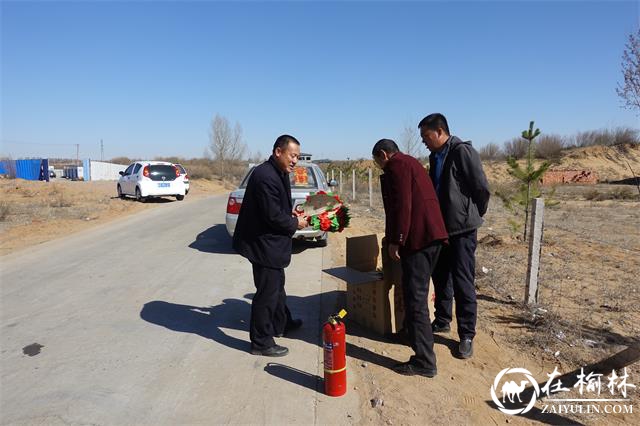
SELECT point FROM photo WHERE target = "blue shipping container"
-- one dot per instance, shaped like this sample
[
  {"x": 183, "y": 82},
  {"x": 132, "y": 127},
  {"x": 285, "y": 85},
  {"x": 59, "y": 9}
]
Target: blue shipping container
[{"x": 37, "y": 169}]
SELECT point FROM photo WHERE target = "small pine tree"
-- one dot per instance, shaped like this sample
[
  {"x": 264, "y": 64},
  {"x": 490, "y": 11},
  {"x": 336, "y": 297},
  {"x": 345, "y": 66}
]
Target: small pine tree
[{"x": 528, "y": 179}]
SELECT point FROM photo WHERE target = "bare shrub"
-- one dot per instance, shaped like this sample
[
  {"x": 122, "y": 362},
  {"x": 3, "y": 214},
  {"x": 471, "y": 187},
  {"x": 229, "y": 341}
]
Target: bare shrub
[
  {"x": 5, "y": 208},
  {"x": 625, "y": 135},
  {"x": 622, "y": 193},
  {"x": 58, "y": 199},
  {"x": 490, "y": 152},
  {"x": 199, "y": 171},
  {"x": 121, "y": 160},
  {"x": 515, "y": 148},
  {"x": 607, "y": 137},
  {"x": 549, "y": 146}
]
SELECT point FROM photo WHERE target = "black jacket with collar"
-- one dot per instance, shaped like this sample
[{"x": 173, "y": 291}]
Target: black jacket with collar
[
  {"x": 463, "y": 188},
  {"x": 265, "y": 225}
]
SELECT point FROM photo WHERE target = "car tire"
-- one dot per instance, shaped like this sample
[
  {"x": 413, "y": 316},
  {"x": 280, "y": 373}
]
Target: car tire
[
  {"x": 179, "y": 197},
  {"x": 139, "y": 196},
  {"x": 120, "y": 194}
]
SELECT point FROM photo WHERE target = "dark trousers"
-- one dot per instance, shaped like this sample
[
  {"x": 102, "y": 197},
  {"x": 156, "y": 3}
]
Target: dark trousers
[
  {"x": 453, "y": 278},
  {"x": 416, "y": 271},
  {"x": 269, "y": 312}
]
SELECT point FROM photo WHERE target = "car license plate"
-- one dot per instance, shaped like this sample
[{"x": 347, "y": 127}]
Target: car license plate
[{"x": 164, "y": 185}]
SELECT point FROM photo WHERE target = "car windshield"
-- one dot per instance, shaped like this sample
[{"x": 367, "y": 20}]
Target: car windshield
[
  {"x": 302, "y": 177},
  {"x": 162, "y": 172}
]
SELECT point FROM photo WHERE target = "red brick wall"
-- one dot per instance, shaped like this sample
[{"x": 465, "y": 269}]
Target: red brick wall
[{"x": 556, "y": 177}]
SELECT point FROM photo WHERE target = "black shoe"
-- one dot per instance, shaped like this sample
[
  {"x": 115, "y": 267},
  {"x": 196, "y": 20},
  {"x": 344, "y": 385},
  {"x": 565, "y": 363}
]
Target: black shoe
[
  {"x": 274, "y": 350},
  {"x": 293, "y": 325},
  {"x": 438, "y": 328},
  {"x": 465, "y": 349},
  {"x": 410, "y": 369}
]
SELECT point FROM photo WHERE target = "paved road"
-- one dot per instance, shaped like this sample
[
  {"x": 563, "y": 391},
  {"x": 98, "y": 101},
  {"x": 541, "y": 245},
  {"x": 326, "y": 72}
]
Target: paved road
[{"x": 145, "y": 321}]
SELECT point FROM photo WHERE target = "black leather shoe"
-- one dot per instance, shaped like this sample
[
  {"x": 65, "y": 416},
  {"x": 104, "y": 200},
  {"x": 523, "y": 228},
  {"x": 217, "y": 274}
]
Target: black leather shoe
[
  {"x": 465, "y": 349},
  {"x": 274, "y": 350},
  {"x": 293, "y": 325},
  {"x": 440, "y": 328},
  {"x": 410, "y": 369}
]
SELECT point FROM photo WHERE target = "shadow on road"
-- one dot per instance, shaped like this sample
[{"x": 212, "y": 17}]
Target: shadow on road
[
  {"x": 216, "y": 239},
  {"x": 207, "y": 322},
  {"x": 235, "y": 314},
  {"x": 150, "y": 200},
  {"x": 293, "y": 375}
]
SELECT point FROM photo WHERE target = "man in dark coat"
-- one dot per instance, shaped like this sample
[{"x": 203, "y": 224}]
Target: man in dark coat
[
  {"x": 415, "y": 232},
  {"x": 462, "y": 188},
  {"x": 263, "y": 235}
]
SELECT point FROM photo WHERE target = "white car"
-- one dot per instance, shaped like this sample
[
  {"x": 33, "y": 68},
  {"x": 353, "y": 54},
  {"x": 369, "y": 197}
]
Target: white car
[
  {"x": 306, "y": 178},
  {"x": 185, "y": 177},
  {"x": 144, "y": 179}
]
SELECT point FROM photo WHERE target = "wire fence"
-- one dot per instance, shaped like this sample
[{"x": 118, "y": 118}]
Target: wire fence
[{"x": 588, "y": 294}]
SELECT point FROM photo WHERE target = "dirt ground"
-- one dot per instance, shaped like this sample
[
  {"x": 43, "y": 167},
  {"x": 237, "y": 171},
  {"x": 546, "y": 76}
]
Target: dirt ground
[
  {"x": 588, "y": 309},
  {"x": 32, "y": 212},
  {"x": 588, "y": 312}
]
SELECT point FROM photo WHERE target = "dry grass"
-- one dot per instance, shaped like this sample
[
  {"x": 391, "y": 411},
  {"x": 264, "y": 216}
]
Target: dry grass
[
  {"x": 623, "y": 193},
  {"x": 33, "y": 212},
  {"x": 5, "y": 209},
  {"x": 588, "y": 297}
]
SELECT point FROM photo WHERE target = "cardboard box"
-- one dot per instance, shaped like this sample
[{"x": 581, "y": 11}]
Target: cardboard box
[
  {"x": 392, "y": 273},
  {"x": 362, "y": 253},
  {"x": 374, "y": 299}
]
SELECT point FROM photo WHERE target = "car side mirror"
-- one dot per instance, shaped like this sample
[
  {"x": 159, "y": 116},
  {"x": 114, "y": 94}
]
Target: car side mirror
[
  {"x": 121, "y": 173},
  {"x": 333, "y": 182}
]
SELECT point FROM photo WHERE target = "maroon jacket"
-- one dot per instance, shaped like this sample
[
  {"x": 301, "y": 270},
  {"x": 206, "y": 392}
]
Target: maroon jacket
[{"x": 413, "y": 217}]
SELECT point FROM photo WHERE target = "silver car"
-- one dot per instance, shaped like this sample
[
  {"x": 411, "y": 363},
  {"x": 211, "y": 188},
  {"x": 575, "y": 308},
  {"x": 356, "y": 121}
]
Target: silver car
[{"x": 305, "y": 179}]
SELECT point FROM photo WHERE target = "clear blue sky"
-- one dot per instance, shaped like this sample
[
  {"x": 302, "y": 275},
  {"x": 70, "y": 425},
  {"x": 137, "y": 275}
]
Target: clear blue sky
[{"x": 148, "y": 77}]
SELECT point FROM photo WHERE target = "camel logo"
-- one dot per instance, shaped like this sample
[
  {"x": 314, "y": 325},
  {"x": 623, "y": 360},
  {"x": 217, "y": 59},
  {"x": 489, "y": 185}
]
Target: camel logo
[{"x": 511, "y": 390}]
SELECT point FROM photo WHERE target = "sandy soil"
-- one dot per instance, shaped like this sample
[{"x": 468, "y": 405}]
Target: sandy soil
[
  {"x": 33, "y": 212},
  {"x": 588, "y": 308},
  {"x": 610, "y": 163},
  {"x": 588, "y": 312}
]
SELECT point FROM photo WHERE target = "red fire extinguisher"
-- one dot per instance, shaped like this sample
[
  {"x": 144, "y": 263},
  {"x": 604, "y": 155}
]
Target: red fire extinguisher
[{"x": 335, "y": 356}]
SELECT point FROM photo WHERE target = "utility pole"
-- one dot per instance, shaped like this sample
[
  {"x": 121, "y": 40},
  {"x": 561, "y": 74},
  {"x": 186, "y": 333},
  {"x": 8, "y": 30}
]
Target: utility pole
[
  {"x": 101, "y": 150},
  {"x": 78, "y": 153}
]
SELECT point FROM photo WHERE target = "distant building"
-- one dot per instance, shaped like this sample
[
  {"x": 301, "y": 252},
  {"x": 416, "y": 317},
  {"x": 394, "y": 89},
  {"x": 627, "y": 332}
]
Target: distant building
[{"x": 304, "y": 157}]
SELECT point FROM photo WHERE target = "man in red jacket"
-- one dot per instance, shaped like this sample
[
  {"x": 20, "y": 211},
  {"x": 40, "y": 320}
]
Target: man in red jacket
[{"x": 415, "y": 232}]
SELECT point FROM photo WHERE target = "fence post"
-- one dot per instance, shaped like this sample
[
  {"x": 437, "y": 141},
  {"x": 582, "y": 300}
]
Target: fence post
[
  {"x": 353, "y": 181},
  {"x": 332, "y": 178},
  {"x": 340, "y": 183},
  {"x": 370, "y": 190},
  {"x": 535, "y": 247}
]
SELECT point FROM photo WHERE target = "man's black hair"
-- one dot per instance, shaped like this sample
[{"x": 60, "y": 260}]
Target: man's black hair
[
  {"x": 435, "y": 121},
  {"x": 283, "y": 142},
  {"x": 386, "y": 145}
]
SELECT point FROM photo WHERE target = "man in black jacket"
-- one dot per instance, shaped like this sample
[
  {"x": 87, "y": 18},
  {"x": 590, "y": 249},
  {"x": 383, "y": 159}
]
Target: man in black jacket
[
  {"x": 263, "y": 235},
  {"x": 463, "y": 191}
]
